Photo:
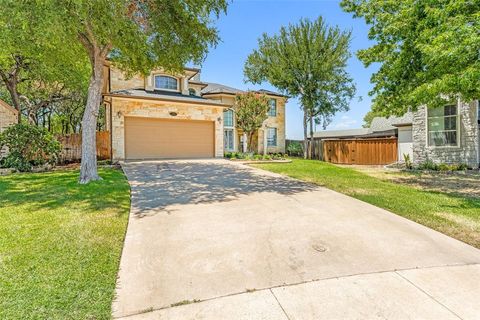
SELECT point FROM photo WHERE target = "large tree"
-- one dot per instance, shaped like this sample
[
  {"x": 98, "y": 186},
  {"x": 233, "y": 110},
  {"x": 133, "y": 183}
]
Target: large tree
[
  {"x": 306, "y": 60},
  {"x": 251, "y": 110},
  {"x": 137, "y": 36},
  {"x": 428, "y": 51},
  {"x": 36, "y": 69}
]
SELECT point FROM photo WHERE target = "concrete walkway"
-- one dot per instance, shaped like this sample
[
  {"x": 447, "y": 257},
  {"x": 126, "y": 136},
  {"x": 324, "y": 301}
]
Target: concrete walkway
[{"x": 211, "y": 239}]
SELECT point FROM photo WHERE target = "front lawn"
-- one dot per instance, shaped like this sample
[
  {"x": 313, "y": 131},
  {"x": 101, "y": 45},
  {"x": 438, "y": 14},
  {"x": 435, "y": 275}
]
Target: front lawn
[
  {"x": 60, "y": 244},
  {"x": 455, "y": 215}
]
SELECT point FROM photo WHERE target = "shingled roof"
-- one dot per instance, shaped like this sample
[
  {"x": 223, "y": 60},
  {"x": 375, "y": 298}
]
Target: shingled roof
[{"x": 217, "y": 88}]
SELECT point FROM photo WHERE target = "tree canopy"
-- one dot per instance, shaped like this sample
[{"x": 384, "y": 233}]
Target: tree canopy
[
  {"x": 37, "y": 69},
  {"x": 428, "y": 51},
  {"x": 306, "y": 60},
  {"x": 136, "y": 36}
]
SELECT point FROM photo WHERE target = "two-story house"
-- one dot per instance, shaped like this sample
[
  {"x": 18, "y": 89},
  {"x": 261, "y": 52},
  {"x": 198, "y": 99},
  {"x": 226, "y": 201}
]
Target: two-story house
[{"x": 178, "y": 116}]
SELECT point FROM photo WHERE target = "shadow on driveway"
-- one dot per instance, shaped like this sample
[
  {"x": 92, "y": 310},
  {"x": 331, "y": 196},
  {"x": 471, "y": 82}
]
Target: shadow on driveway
[{"x": 156, "y": 185}]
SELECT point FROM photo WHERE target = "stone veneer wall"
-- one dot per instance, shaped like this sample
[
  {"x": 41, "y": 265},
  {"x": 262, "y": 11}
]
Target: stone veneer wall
[
  {"x": 7, "y": 116},
  {"x": 275, "y": 122},
  {"x": 467, "y": 152},
  {"x": 118, "y": 81},
  {"x": 143, "y": 108}
]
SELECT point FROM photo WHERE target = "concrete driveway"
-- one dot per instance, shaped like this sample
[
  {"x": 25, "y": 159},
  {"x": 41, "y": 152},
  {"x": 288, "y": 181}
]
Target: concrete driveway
[{"x": 211, "y": 239}]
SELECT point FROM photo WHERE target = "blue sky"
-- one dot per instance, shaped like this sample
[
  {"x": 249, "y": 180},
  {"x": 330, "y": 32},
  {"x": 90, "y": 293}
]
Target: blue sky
[{"x": 244, "y": 23}]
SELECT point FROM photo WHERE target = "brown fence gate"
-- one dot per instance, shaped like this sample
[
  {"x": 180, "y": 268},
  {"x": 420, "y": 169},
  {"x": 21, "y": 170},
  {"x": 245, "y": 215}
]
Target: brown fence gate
[
  {"x": 72, "y": 146},
  {"x": 360, "y": 151}
]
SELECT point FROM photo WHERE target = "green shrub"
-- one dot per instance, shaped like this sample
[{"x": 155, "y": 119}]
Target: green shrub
[
  {"x": 408, "y": 161},
  {"x": 28, "y": 146},
  {"x": 228, "y": 155},
  {"x": 444, "y": 167},
  {"x": 428, "y": 165},
  {"x": 257, "y": 157},
  {"x": 295, "y": 148}
]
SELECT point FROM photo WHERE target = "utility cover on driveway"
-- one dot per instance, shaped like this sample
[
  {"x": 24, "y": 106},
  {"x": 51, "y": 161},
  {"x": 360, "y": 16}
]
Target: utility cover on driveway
[{"x": 217, "y": 240}]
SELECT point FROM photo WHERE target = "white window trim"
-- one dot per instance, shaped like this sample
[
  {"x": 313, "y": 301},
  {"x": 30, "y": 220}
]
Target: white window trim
[
  {"x": 233, "y": 120},
  {"x": 276, "y": 108},
  {"x": 233, "y": 137},
  {"x": 168, "y": 76},
  {"x": 276, "y": 137},
  {"x": 232, "y": 127},
  {"x": 458, "y": 129}
]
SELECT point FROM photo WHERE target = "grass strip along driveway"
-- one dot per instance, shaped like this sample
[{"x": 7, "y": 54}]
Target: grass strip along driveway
[
  {"x": 60, "y": 244},
  {"x": 453, "y": 215}
]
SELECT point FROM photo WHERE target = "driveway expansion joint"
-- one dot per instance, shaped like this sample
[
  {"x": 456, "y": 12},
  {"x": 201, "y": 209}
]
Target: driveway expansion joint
[
  {"x": 150, "y": 310},
  {"x": 429, "y": 295}
]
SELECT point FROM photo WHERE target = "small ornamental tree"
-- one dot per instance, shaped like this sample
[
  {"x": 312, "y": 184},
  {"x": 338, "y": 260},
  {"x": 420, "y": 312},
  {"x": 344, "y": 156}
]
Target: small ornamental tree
[
  {"x": 28, "y": 145},
  {"x": 250, "y": 112}
]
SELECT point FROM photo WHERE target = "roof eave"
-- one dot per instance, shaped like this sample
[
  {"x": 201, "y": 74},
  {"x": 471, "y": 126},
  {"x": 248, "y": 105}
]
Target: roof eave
[{"x": 208, "y": 103}]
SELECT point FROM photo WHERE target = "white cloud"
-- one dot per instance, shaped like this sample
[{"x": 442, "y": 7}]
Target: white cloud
[{"x": 345, "y": 123}]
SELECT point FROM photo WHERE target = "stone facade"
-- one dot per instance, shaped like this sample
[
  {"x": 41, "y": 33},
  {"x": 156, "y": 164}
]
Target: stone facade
[
  {"x": 272, "y": 122},
  {"x": 275, "y": 122},
  {"x": 118, "y": 81},
  {"x": 161, "y": 108},
  {"x": 122, "y": 107},
  {"x": 8, "y": 115},
  {"x": 469, "y": 140}
]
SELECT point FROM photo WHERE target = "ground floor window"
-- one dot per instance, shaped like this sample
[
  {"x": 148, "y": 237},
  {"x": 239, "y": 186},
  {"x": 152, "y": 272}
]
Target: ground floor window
[
  {"x": 443, "y": 126},
  {"x": 272, "y": 137},
  {"x": 228, "y": 140}
]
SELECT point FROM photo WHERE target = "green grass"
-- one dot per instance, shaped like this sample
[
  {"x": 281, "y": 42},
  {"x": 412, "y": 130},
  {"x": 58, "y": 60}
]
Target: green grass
[
  {"x": 60, "y": 244},
  {"x": 451, "y": 214}
]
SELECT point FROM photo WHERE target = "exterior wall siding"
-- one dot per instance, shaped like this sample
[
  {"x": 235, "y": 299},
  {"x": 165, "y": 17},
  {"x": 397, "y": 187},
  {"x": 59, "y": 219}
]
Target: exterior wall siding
[
  {"x": 118, "y": 81},
  {"x": 7, "y": 116},
  {"x": 275, "y": 122},
  {"x": 466, "y": 152},
  {"x": 141, "y": 108}
]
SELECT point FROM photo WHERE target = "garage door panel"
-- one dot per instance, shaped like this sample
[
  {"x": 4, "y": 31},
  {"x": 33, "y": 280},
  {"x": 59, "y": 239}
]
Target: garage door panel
[{"x": 150, "y": 138}]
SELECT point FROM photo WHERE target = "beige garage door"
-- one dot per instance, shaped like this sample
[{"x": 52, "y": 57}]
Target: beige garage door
[{"x": 149, "y": 138}]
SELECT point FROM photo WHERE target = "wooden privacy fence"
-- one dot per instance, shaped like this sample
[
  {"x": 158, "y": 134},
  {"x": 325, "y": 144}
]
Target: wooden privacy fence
[
  {"x": 360, "y": 151},
  {"x": 72, "y": 146}
]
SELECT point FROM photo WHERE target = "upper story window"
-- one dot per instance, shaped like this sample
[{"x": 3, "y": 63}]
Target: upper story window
[
  {"x": 442, "y": 124},
  {"x": 272, "y": 112},
  {"x": 192, "y": 92},
  {"x": 228, "y": 119},
  {"x": 166, "y": 83}
]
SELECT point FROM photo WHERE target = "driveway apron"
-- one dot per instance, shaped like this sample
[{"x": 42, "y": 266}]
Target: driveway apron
[{"x": 212, "y": 239}]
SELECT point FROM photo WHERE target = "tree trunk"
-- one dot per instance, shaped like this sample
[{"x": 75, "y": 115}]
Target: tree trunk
[
  {"x": 310, "y": 147},
  {"x": 305, "y": 135},
  {"x": 250, "y": 142},
  {"x": 88, "y": 168},
  {"x": 12, "y": 89}
]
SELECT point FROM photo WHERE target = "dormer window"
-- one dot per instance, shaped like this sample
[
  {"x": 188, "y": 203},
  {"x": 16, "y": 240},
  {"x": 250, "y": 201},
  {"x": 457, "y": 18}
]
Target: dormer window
[
  {"x": 192, "y": 92},
  {"x": 166, "y": 83}
]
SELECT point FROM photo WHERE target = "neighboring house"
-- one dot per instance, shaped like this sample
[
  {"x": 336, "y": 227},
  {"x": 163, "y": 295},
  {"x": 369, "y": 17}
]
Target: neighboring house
[
  {"x": 179, "y": 116},
  {"x": 8, "y": 115},
  {"x": 449, "y": 134}
]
